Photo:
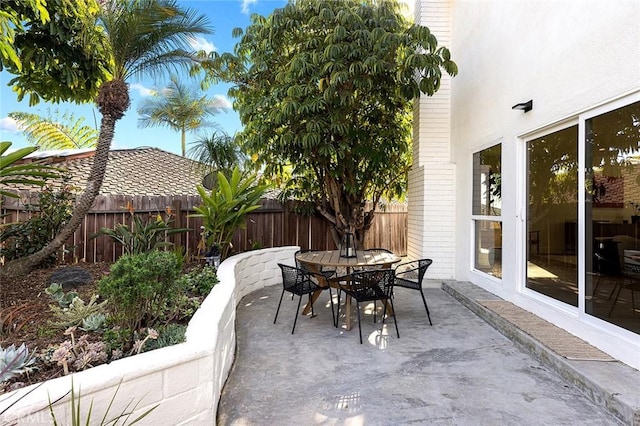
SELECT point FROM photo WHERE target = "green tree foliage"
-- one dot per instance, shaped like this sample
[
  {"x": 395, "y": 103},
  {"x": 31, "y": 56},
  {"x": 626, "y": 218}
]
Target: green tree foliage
[
  {"x": 52, "y": 49},
  {"x": 53, "y": 132},
  {"x": 325, "y": 87},
  {"x": 216, "y": 152},
  {"x": 179, "y": 107},
  {"x": 133, "y": 38},
  {"x": 47, "y": 217}
]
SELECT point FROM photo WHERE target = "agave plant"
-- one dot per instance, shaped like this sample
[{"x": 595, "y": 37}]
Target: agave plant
[
  {"x": 15, "y": 361},
  {"x": 13, "y": 173}
]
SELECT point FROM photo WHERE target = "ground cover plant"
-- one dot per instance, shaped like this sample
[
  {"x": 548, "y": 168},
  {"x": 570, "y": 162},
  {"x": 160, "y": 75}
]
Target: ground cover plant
[{"x": 47, "y": 331}]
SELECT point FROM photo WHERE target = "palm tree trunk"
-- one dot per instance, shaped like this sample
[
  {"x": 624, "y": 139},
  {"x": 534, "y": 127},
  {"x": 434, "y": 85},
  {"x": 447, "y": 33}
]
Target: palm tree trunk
[
  {"x": 184, "y": 142},
  {"x": 24, "y": 265}
]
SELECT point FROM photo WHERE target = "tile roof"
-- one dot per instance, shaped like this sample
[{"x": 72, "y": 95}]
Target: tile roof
[{"x": 140, "y": 171}]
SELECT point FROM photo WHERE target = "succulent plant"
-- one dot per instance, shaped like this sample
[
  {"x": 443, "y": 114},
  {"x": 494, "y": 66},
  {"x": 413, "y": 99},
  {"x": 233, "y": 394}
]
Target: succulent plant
[
  {"x": 15, "y": 361},
  {"x": 93, "y": 322},
  {"x": 56, "y": 292},
  {"x": 77, "y": 311}
]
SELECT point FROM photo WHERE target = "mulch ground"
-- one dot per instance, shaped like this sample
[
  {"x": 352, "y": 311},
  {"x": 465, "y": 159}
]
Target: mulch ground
[{"x": 25, "y": 314}]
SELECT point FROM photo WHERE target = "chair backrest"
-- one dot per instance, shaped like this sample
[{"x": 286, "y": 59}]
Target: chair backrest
[
  {"x": 364, "y": 281},
  {"x": 303, "y": 266},
  {"x": 414, "y": 270},
  {"x": 606, "y": 262},
  {"x": 292, "y": 276}
]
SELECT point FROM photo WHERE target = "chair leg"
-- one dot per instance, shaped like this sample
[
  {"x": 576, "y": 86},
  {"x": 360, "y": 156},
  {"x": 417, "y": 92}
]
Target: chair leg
[
  {"x": 613, "y": 305},
  {"x": 384, "y": 314},
  {"x": 338, "y": 310},
  {"x": 395, "y": 318},
  {"x": 333, "y": 317},
  {"x": 279, "y": 303},
  {"x": 295, "y": 319},
  {"x": 425, "y": 306},
  {"x": 359, "y": 323}
]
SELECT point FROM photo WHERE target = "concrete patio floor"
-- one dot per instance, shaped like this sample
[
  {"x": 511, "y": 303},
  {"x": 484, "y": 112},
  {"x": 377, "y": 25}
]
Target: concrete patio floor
[{"x": 460, "y": 371}]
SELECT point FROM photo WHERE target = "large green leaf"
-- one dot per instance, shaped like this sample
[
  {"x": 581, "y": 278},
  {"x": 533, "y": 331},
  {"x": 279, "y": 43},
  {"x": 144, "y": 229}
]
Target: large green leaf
[{"x": 13, "y": 173}]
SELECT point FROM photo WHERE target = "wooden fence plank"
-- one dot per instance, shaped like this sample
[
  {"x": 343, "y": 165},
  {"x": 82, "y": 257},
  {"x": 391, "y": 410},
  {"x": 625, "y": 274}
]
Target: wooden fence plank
[{"x": 272, "y": 225}]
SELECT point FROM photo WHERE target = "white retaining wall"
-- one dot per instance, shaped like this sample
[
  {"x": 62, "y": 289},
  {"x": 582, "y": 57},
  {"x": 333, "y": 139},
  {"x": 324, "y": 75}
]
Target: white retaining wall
[{"x": 184, "y": 380}]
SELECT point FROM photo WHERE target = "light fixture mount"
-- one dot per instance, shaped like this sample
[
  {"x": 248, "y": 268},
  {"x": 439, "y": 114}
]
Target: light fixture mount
[{"x": 525, "y": 106}]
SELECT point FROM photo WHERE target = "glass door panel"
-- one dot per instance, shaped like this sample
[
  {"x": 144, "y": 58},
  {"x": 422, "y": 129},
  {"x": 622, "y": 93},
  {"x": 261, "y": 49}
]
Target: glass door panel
[
  {"x": 552, "y": 215},
  {"x": 612, "y": 217}
]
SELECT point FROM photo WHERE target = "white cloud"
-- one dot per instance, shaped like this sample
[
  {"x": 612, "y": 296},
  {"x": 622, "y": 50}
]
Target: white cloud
[
  {"x": 221, "y": 101},
  {"x": 142, "y": 90},
  {"x": 8, "y": 124},
  {"x": 200, "y": 43},
  {"x": 245, "y": 5}
]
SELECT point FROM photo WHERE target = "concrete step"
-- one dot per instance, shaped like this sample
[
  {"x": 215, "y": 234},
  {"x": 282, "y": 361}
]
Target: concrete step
[{"x": 612, "y": 385}]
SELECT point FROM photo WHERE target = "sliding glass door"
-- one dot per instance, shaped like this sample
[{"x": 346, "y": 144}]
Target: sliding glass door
[{"x": 610, "y": 228}]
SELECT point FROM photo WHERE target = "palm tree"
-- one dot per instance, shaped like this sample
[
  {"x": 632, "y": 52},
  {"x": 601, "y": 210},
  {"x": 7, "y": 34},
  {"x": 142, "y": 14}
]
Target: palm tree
[
  {"x": 178, "y": 107},
  {"x": 217, "y": 152},
  {"x": 139, "y": 37},
  {"x": 64, "y": 132}
]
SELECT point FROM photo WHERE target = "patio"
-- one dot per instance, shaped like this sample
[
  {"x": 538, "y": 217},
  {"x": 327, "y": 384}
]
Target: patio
[{"x": 459, "y": 371}]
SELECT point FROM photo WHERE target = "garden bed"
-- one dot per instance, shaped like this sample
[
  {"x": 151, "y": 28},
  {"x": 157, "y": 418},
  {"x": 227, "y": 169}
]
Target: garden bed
[{"x": 26, "y": 316}]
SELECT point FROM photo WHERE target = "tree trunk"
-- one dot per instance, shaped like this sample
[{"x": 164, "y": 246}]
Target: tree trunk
[
  {"x": 183, "y": 140},
  {"x": 24, "y": 265}
]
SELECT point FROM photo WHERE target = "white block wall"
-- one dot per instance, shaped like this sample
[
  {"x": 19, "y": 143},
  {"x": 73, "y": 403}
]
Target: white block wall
[
  {"x": 432, "y": 200},
  {"x": 184, "y": 380}
]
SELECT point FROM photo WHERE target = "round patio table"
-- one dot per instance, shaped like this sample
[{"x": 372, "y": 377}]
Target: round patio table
[{"x": 316, "y": 260}]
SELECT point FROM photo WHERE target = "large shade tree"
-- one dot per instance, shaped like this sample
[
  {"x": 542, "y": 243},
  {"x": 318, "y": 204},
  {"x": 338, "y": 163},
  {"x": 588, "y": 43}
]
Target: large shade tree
[
  {"x": 325, "y": 87},
  {"x": 133, "y": 38},
  {"x": 179, "y": 107}
]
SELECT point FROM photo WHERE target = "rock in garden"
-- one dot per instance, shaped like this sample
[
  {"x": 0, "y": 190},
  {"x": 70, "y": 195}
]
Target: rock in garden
[{"x": 70, "y": 277}]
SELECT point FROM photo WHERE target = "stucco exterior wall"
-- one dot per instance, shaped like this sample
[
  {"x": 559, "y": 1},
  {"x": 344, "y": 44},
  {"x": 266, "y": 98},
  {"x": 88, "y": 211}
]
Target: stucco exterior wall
[{"x": 569, "y": 56}]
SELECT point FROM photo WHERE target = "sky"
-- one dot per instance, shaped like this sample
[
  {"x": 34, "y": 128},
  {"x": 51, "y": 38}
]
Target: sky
[{"x": 223, "y": 15}]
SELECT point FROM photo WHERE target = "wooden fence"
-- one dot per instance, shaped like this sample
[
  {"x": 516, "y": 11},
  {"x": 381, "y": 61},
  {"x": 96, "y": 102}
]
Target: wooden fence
[{"x": 273, "y": 225}]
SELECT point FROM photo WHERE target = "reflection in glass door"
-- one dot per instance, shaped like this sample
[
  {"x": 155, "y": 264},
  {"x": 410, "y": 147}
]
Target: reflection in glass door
[
  {"x": 552, "y": 215},
  {"x": 612, "y": 217}
]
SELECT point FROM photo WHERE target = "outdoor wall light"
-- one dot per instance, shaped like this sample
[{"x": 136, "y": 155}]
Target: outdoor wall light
[{"x": 525, "y": 106}]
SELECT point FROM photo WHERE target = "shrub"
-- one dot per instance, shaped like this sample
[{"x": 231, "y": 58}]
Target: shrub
[
  {"x": 142, "y": 236},
  {"x": 168, "y": 335},
  {"x": 48, "y": 217},
  {"x": 141, "y": 288},
  {"x": 225, "y": 208},
  {"x": 201, "y": 280}
]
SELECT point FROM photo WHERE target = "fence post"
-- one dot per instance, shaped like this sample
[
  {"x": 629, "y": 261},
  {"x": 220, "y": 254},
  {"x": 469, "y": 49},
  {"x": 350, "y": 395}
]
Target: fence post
[{"x": 176, "y": 206}]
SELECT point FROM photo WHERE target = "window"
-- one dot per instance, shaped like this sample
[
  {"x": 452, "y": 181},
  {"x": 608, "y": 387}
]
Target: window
[
  {"x": 552, "y": 215},
  {"x": 487, "y": 210}
]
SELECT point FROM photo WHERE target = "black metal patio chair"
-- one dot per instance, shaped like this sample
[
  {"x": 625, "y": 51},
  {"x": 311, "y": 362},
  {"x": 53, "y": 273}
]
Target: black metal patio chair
[
  {"x": 370, "y": 286},
  {"x": 410, "y": 275},
  {"x": 326, "y": 272},
  {"x": 299, "y": 282}
]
